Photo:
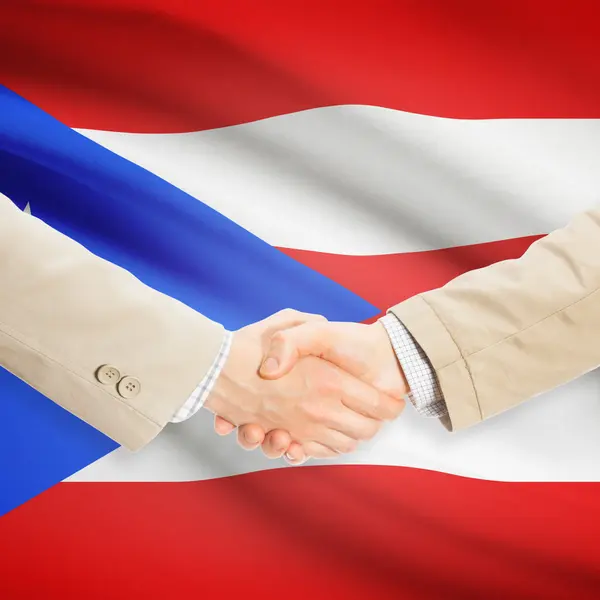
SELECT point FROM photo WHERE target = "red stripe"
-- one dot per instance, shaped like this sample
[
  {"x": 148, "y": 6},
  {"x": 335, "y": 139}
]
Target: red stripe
[
  {"x": 387, "y": 279},
  {"x": 150, "y": 65},
  {"x": 324, "y": 532}
]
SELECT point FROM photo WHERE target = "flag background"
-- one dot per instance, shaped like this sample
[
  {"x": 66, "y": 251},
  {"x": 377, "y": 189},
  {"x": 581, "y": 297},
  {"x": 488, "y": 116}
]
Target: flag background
[{"x": 357, "y": 154}]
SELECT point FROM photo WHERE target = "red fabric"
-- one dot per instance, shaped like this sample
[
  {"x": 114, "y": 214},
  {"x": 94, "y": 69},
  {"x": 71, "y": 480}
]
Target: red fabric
[
  {"x": 385, "y": 280},
  {"x": 157, "y": 66},
  {"x": 326, "y": 532},
  {"x": 351, "y": 532}
]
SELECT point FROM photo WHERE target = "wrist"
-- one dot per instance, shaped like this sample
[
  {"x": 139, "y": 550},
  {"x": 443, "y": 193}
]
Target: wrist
[
  {"x": 392, "y": 377},
  {"x": 229, "y": 397}
]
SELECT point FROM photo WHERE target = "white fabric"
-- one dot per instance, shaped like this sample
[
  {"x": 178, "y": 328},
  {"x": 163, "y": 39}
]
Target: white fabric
[
  {"x": 368, "y": 180},
  {"x": 365, "y": 180},
  {"x": 425, "y": 391}
]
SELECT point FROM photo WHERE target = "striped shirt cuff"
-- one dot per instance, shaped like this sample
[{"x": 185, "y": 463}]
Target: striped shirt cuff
[
  {"x": 425, "y": 391},
  {"x": 201, "y": 393}
]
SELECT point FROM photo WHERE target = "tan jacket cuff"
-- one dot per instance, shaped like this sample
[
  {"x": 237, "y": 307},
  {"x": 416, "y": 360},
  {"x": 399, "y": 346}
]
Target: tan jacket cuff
[{"x": 445, "y": 358}]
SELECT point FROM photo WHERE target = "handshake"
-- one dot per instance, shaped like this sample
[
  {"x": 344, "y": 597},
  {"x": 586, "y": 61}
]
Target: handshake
[{"x": 303, "y": 387}]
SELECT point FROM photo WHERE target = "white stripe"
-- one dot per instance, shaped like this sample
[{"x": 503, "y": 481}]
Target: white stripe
[
  {"x": 367, "y": 180},
  {"x": 550, "y": 438}
]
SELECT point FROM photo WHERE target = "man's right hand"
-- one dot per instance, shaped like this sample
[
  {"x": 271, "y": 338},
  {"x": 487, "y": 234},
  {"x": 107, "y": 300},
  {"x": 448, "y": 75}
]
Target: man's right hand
[{"x": 322, "y": 407}]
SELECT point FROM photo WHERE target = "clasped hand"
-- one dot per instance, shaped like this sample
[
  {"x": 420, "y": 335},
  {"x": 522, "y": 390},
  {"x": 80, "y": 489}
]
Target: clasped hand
[{"x": 299, "y": 385}]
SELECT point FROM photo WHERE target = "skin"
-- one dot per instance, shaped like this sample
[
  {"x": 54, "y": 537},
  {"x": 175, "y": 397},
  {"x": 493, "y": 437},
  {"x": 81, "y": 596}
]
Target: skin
[
  {"x": 363, "y": 351},
  {"x": 308, "y": 398}
]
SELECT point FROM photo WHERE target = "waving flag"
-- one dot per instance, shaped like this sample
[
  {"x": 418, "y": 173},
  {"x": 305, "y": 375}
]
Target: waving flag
[{"x": 332, "y": 157}]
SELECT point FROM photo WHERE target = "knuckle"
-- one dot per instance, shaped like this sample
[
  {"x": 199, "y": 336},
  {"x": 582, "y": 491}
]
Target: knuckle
[
  {"x": 327, "y": 386},
  {"x": 394, "y": 407},
  {"x": 244, "y": 443},
  {"x": 278, "y": 337},
  {"x": 384, "y": 407},
  {"x": 348, "y": 445},
  {"x": 369, "y": 431},
  {"x": 314, "y": 411},
  {"x": 400, "y": 405},
  {"x": 279, "y": 439},
  {"x": 323, "y": 388}
]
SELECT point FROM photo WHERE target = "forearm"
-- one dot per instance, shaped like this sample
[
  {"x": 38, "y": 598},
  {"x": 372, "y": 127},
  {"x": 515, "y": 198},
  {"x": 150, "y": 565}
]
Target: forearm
[
  {"x": 64, "y": 313},
  {"x": 500, "y": 335}
]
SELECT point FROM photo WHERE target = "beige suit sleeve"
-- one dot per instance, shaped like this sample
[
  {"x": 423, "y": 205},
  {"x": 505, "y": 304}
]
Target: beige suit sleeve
[
  {"x": 499, "y": 335},
  {"x": 64, "y": 313}
]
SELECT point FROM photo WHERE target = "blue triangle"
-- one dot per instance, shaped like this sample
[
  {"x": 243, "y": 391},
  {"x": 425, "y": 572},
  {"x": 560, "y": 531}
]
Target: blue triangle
[{"x": 168, "y": 239}]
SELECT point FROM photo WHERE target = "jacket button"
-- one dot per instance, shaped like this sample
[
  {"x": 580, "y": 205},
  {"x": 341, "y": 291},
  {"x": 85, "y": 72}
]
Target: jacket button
[
  {"x": 108, "y": 374},
  {"x": 129, "y": 387}
]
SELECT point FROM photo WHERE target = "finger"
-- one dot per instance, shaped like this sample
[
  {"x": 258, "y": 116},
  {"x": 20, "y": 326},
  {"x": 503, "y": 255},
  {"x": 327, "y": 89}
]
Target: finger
[
  {"x": 289, "y": 345},
  {"x": 276, "y": 443},
  {"x": 366, "y": 400},
  {"x": 335, "y": 440},
  {"x": 295, "y": 454},
  {"x": 283, "y": 320},
  {"x": 290, "y": 317},
  {"x": 223, "y": 427},
  {"x": 250, "y": 436},
  {"x": 352, "y": 424},
  {"x": 316, "y": 450}
]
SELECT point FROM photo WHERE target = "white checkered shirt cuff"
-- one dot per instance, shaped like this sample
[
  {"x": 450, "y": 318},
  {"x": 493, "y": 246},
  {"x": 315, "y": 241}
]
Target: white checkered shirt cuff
[
  {"x": 200, "y": 394},
  {"x": 425, "y": 392}
]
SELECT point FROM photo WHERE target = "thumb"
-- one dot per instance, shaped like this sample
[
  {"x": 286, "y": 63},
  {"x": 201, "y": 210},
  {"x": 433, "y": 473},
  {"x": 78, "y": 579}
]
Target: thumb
[{"x": 288, "y": 346}]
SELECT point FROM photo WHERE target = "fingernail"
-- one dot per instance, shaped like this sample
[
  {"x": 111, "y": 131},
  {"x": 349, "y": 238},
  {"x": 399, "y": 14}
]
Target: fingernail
[{"x": 270, "y": 365}]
